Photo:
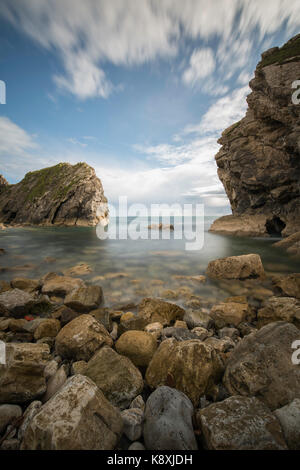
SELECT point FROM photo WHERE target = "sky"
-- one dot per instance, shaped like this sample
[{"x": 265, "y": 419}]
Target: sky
[{"x": 139, "y": 89}]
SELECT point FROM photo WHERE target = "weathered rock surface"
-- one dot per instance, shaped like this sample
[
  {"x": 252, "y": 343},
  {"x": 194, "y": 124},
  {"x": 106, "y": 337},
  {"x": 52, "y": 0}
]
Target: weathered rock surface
[
  {"x": 261, "y": 366},
  {"x": 116, "y": 376},
  {"x": 22, "y": 377},
  {"x": 189, "y": 366},
  {"x": 59, "y": 195},
  {"x": 139, "y": 346},
  {"x": 48, "y": 328},
  {"x": 289, "y": 418},
  {"x": 53, "y": 284},
  {"x": 133, "y": 423},
  {"x": 78, "y": 417},
  {"x": 240, "y": 423},
  {"x": 288, "y": 286},
  {"x": 80, "y": 338},
  {"x": 279, "y": 309},
  {"x": 229, "y": 313},
  {"x": 17, "y": 302},
  {"x": 84, "y": 299},
  {"x": 8, "y": 413},
  {"x": 168, "y": 421},
  {"x": 259, "y": 162},
  {"x": 236, "y": 267},
  {"x": 157, "y": 310}
]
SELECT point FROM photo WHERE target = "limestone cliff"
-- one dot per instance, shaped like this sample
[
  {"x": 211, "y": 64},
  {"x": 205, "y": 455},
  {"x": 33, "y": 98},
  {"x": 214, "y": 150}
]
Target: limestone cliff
[
  {"x": 59, "y": 195},
  {"x": 259, "y": 161}
]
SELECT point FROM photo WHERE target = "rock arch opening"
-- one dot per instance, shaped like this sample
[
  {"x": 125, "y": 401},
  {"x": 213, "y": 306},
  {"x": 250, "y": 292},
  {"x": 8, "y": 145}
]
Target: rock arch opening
[{"x": 275, "y": 226}]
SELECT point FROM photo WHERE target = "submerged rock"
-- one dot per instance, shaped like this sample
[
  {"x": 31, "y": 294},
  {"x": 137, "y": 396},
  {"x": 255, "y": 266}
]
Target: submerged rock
[
  {"x": 77, "y": 417},
  {"x": 240, "y": 423},
  {"x": 168, "y": 421},
  {"x": 59, "y": 195}
]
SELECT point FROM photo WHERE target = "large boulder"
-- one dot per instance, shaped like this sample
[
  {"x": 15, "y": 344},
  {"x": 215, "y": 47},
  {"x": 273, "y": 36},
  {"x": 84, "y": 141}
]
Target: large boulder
[
  {"x": 116, "y": 376},
  {"x": 168, "y": 421},
  {"x": 279, "y": 309},
  {"x": 53, "y": 284},
  {"x": 63, "y": 194},
  {"x": 77, "y": 417},
  {"x": 84, "y": 299},
  {"x": 289, "y": 418},
  {"x": 236, "y": 267},
  {"x": 229, "y": 313},
  {"x": 81, "y": 337},
  {"x": 261, "y": 366},
  {"x": 157, "y": 310},
  {"x": 139, "y": 346},
  {"x": 240, "y": 423},
  {"x": 192, "y": 367},
  {"x": 22, "y": 377}
]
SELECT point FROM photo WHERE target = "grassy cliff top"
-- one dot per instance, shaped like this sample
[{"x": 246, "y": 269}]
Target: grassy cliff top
[
  {"x": 58, "y": 179},
  {"x": 280, "y": 55}
]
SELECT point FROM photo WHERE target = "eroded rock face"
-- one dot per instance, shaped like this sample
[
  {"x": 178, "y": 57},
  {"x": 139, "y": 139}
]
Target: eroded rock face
[
  {"x": 168, "y": 421},
  {"x": 259, "y": 162},
  {"x": 59, "y": 195},
  {"x": 189, "y": 366},
  {"x": 261, "y": 366},
  {"x": 289, "y": 417},
  {"x": 80, "y": 338},
  {"x": 22, "y": 378},
  {"x": 77, "y": 417},
  {"x": 240, "y": 423}
]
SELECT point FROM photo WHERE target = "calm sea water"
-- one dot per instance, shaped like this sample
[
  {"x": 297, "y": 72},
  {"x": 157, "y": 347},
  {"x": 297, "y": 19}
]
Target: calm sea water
[{"x": 148, "y": 267}]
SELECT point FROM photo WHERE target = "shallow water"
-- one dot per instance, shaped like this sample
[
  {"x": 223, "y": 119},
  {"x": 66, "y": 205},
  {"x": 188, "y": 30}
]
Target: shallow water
[{"x": 146, "y": 267}]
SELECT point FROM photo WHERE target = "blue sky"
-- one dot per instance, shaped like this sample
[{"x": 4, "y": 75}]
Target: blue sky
[{"x": 140, "y": 90}]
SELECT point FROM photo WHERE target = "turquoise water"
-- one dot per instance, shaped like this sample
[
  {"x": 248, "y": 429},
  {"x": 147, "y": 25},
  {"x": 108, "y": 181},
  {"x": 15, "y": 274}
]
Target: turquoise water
[{"x": 148, "y": 267}]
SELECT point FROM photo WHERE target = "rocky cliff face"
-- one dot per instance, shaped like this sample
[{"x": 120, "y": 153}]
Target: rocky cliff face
[
  {"x": 59, "y": 195},
  {"x": 259, "y": 162}
]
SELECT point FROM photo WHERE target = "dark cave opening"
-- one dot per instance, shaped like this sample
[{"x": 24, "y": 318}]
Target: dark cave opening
[{"x": 275, "y": 226}]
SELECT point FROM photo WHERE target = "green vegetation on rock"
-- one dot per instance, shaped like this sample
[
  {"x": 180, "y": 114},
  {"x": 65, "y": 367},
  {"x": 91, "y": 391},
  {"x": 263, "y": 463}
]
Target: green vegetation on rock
[{"x": 289, "y": 50}]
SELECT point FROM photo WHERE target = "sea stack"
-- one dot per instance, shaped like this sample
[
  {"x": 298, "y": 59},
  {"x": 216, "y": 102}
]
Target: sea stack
[
  {"x": 63, "y": 194},
  {"x": 259, "y": 161}
]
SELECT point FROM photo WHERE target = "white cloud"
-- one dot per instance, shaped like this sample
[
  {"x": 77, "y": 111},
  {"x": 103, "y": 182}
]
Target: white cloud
[
  {"x": 223, "y": 113},
  {"x": 87, "y": 34},
  {"x": 14, "y": 141},
  {"x": 202, "y": 64}
]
